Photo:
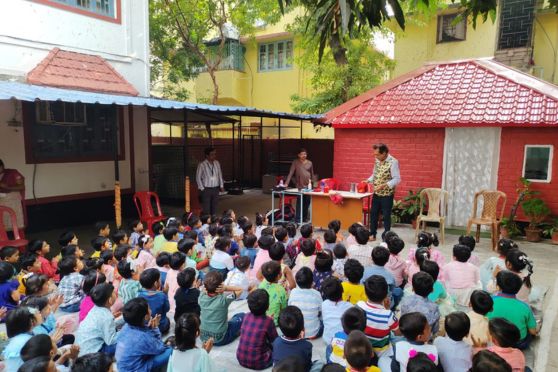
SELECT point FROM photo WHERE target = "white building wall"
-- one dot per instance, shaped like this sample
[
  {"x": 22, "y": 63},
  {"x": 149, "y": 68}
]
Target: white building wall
[{"x": 28, "y": 31}]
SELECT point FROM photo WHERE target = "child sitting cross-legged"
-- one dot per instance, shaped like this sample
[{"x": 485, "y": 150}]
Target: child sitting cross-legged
[
  {"x": 129, "y": 285},
  {"x": 99, "y": 245},
  {"x": 271, "y": 271},
  {"x": 9, "y": 295},
  {"x": 92, "y": 278},
  {"x": 186, "y": 355},
  {"x": 214, "y": 306},
  {"x": 163, "y": 265},
  {"x": 257, "y": 333},
  {"x": 507, "y": 306},
  {"x": 396, "y": 265},
  {"x": 446, "y": 303},
  {"x": 238, "y": 277},
  {"x": 309, "y": 301},
  {"x": 353, "y": 319},
  {"x": 145, "y": 258},
  {"x": 361, "y": 251},
  {"x": 48, "y": 267},
  {"x": 418, "y": 301},
  {"x": 264, "y": 243},
  {"x": 380, "y": 257},
  {"x": 45, "y": 322},
  {"x": 333, "y": 307},
  {"x": 186, "y": 297},
  {"x": 330, "y": 238},
  {"x": 250, "y": 249},
  {"x": 158, "y": 301},
  {"x": 481, "y": 304},
  {"x": 358, "y": 353},
  {"x": 10, "y": 255},
  {"x": 353, "y": 291},
  {"x": 414, "y": 326},
  {"x": 380, "y": 320},
  {"x": 293, "y": 342},
  {"x": 504, "y": 336},
  {"x": 221, "y": 261},
  {"x": 139, "y": 346},
  {"x": 339, "y": 259},
  {"x": 97, "y": 332},
  {"x": 488, "y": 267},
  {"x": 41, "y": 347},
  {"x": 19, "y": 323},
  {"x": 108, "y": 266},
  {"x": 177, "y": 264},
  {"x": 453, "y": 351},
  {"x": 71, "y": 284},
  {"x": 322, "y": 268},
  {"x": 277, "y": 253},
  {"x": 307, "y": 255},
  {"x": 470, "y": 242},
  {"x": 29, "y": 264},
  {"x": 461, "y": 277}
]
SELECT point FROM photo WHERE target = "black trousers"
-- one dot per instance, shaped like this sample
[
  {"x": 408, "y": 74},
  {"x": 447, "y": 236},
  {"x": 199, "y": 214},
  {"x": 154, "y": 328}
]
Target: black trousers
[
  {"x": 302, "y": 209},
  {"x": 209, "y": 198},
  {"x": 383, "y": 204}
]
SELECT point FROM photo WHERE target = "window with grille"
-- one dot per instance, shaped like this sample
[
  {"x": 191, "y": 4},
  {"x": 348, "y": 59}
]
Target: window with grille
[
  {"x": 537, "y": 163},
  {"x": 276, "y": 56},
  {"x": 450, "y": 28},
  {"x": 102, "y": 7}
]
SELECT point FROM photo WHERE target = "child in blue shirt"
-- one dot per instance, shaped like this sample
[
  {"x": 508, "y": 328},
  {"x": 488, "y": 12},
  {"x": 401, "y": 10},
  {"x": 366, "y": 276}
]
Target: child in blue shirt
[
  {"x": 139, "y": 346},
  {"x": 250, "y": 249},
  {"x": 9, "y": 294},
  {"x": 157, "y": 299}
]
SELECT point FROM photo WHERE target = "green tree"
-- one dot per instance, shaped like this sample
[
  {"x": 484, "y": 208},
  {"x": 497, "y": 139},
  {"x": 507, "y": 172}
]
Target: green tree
[{"x": 180, "y": 30}]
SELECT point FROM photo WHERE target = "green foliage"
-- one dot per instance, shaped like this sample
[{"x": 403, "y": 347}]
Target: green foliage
[
  {"x": 537, "y": 210},
  {"x": 410, "y": 205},
  {"x": 179, "y": 30}
]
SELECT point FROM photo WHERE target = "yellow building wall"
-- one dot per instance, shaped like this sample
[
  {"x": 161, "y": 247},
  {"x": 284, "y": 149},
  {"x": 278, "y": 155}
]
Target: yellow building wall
[
  {"x": 545, "y": 46},
  {"x": 417, "y": 45}
]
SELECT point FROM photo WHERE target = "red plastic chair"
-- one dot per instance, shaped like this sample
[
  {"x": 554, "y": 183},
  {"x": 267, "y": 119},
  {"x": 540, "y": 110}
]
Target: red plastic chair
[
  {"x": 367, "y": 204},
  {"x": 4, "y": 240},
  {"x": 143, "y": 201},
  {"x": 332, "y": 183}
]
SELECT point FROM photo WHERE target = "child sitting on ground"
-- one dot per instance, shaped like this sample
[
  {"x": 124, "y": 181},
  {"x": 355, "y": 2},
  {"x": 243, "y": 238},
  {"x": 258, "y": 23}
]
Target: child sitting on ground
[
  {"x": 413, "y": 266},
  {"x": 103, "y": 230},
  {"x": 445, "y": 303},
  {"x": 177, "y": 264},
  {"x": 333, "y": 307},
  {"x": 396, "y": 265},
  {"x": 90, "y": 280},
  {"x": 238, "y": 277},
  {"x": 97, "y": 332},
  {"x": 339, "y": 259},
  {"x": 306, "y": 233},
  {"x": 264, "y": 243},
  {"x": 187, "y": 246},
  {"x": 171, "y": 240},
  {"x": 380, "y": 320},
  {"x": 453, "y": 351},
  {"x": 330, "y": 239},
  {"x": 120, "y": 238},
  {"x": 71, "y": 284},
  {"x": 9, "y": 295},
  {"x": 461, "y": 277},
  {"x": 291, "y": 246},
  {"x": 487, "y": 268},
  {"x": 322, "y": 268},
  {"x": 361, "y": 251},
  {"x": 418, "y": 302},
  {"x": 353, "y": 291},
  {"x": 145, "y": 259},
  {"x": 99, "y": 245},
  {"x": 353, "y": 319},
  {"x": 10, "y": 255},
  {"x": 210, "y": 241},
  {"x": 307, "y": 257},
  {"x": 163, "y": 265},
  {"x": 380, "y": 257},
  {"x": 159, "y": 238},
  {"x": 257, "y": 333},
  {"x": 293, "y": 342},
  {"x": 481, "y": 304},
  {"x": 277, "y": 253},
  {"x": 487, "y": 361},
  {"x": 108, "y": 266},
  {"x": 351, "y": 239},
  {"x": 358, "y": 352},
  {"x": 250, "y": 250},
  {"x": 504, "y": 336},
  {"x": 155, "y": 297},
  {"x": 19, "y": 323},
  {"x": 139, "y": 346},
  {"x": 137, "y": 230},
  {"x": 29, "y": 264},
  {"x": 517, "y": 262},
  {"x": 507, "y": 306},
  {"x": 67, "y": 238},
  {"x": 271, "y": 271},
  {"x": 221, "y": 261},
  {"x": 261, "y": 223},
  {"x": 186, "y": 297},
  {"x": 129, "y": 286},
  {"x": 470, "y": 242},
  {"x": 416, "y": 329},
  {"x": 186, "y": 353},
  {"x": 214, "y": 311},
  {"x": 429, "y": 241},
  {"x": 71, "y": 250},
  {"x": 45, "y": 322},
  {"x": 309, "y": 301},
  {"x": 335, "y": 225},
  {"x": 48, "y": 267}
]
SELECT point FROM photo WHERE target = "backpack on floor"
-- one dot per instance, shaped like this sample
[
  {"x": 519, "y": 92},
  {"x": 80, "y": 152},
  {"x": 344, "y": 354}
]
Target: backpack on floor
[{"x": 289, "y": 215}]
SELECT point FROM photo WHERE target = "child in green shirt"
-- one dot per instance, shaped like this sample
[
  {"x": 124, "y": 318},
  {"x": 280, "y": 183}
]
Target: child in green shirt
[{"x": 271, "y": 271}]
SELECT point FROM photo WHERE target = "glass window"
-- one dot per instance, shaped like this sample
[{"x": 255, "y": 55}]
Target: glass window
[
  {"x": 449, "y": 29},
  {"x": 276, "y": 56},
  {"x": 537, "y": 163},
  {"x": 102, "y": 7}
]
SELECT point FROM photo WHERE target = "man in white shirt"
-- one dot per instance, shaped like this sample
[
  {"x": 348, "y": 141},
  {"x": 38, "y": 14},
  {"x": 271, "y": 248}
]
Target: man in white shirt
[{"x": 210, "y": 180}]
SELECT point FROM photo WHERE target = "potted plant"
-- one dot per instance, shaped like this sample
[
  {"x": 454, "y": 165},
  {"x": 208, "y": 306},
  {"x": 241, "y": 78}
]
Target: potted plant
[
  {"x": 552, "y": 231},
  {"x": 508, "y": 228},
  {"x": 410, "y": 206},
  {"x": 536, "y": 210}
]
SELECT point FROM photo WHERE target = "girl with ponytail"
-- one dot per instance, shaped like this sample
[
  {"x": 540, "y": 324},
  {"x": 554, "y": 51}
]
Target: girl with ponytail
[{"x": 185, "y": 353}]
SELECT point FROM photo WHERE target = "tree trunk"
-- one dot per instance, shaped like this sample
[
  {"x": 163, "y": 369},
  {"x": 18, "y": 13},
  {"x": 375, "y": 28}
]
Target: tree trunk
[{"x": 340, "y": 57}]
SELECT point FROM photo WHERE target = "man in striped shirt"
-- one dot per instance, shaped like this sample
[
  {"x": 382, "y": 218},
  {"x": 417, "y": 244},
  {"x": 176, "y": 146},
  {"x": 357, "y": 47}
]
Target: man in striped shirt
[{"x": 210, "y": 180}]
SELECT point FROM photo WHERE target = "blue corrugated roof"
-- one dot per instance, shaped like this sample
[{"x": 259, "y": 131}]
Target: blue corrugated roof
[{"x": 29, "y": 92}]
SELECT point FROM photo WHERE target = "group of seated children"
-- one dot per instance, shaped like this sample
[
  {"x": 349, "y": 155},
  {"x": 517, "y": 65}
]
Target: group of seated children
[{"x": 373, "y": 310}]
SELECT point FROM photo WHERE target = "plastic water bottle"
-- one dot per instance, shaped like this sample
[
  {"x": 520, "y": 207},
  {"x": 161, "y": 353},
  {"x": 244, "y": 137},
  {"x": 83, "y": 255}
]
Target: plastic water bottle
[
  {"x": 309, "y": 184},
  {"x": 322, "y": 186}
]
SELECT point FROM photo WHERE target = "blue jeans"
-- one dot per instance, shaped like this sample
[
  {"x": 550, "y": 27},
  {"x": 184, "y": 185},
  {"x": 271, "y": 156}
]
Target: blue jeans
[
  {"x": 250, "y": 252},
  {"x": 162, "y": 359},
  {"x": 396, "y": 295},
  {"x": 233, "y": 330},
  {"x": 524, "y": 344},
  {"x": 108, "y": 349},
  {"x": 223, "y": 272},
  {"x": 328, "y": 352},
  {"x": 74, "y": 308},
  {"x": 383, "y": 203}
]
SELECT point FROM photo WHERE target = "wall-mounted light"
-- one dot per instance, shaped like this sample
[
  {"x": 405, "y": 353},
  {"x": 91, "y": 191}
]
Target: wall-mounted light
[{"x": 14, "y": 122}]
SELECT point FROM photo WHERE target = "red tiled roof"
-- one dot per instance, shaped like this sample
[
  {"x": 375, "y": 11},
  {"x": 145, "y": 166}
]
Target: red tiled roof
[
  {"x": 71, "y": 70},
  {"x": 463, "y": 93}
]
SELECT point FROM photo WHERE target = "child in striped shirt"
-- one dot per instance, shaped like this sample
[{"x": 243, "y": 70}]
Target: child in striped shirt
[
  {"x": 309, "y": 301},
  {"x": 129, "y": 285},
  {"x": 353, "y": 319}
]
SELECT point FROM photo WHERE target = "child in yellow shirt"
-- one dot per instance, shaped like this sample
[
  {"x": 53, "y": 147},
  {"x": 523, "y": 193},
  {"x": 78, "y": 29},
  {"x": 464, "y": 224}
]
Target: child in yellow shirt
[{"x": 353, "y": 291}]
